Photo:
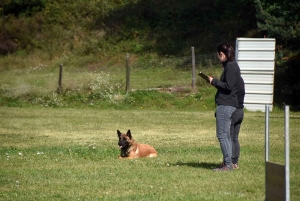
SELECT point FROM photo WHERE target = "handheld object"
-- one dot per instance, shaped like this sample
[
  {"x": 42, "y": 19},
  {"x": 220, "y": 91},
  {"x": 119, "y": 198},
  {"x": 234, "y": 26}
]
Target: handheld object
[{"x": 203, "y": 76}]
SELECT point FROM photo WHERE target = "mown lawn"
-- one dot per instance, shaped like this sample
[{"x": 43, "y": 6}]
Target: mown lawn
[{"x": 71, "y": 154}]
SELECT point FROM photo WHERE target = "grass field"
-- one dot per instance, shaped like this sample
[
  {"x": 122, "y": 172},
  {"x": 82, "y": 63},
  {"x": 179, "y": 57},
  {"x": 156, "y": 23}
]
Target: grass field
[{"x": 71, "y": 154}]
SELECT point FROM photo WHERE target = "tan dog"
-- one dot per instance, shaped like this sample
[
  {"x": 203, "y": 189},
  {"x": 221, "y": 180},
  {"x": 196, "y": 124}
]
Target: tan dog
[{"x": 130, "y": 149}]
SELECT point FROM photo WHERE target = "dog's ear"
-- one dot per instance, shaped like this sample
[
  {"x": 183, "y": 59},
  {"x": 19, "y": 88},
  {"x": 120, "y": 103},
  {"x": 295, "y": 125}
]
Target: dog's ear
[
  {"x": 129, "y": 134},
  {"x": 119, "y": 133}
]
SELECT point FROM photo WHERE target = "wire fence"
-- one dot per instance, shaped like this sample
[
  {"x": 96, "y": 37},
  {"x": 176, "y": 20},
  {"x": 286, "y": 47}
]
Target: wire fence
[
  {"x": 146, "y": 74},
  {"x": 166, "y": 72},
  {"x": 183, "y": 63}
]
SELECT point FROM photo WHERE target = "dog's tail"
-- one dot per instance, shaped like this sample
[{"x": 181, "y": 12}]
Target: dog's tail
[{"x": 152, "y": 155}]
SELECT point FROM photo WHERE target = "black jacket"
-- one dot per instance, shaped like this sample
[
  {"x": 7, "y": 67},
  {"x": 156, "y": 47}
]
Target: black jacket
[
  {"x": 241, "y": 93},
  {"x": 227, "y": 85}
]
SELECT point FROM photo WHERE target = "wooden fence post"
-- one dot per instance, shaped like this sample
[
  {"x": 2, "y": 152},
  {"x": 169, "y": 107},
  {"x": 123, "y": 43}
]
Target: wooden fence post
[
  {"x": 59, "y": 89},
  {"x": 127, "y": 73},
  {"x": 193, "y": 70}
]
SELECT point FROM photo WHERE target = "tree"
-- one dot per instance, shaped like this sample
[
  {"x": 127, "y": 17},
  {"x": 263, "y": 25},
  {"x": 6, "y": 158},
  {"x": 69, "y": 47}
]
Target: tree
[
  {"x": 21, "y": 7},
  {"x": 280, "y": 19}
]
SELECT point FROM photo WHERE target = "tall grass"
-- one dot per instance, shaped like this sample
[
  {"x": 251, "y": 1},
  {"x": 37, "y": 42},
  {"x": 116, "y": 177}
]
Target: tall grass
[
  {"x": 103, "y": 86},
  {"x": 71, "y": 154}
]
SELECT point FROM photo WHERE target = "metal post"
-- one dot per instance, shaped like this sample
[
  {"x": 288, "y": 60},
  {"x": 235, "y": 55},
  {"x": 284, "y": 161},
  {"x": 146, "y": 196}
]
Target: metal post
[
  {"x": 267, "y": 132},
  {"x": 127, "y": 73},
  {"x": 287, "y": 153},
  {"x": 193, "y": 69},
  {"x": 266, "y": 144}
]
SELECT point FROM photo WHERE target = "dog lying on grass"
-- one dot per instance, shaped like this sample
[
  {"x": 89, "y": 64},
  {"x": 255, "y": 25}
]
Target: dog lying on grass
[{"x": 130, "y": 149}]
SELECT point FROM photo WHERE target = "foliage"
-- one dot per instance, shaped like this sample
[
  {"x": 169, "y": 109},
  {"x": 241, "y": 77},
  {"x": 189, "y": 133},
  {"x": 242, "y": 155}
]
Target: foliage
[
  {"x": 55, "y": 28},
  {"x": 21, "y": 7},
  {"x": 288, "y": 89},
  {"x": 21, "y": 33},
  {"x": 168, "y": 27},
  {"x": 100, "y": 90},
  {"x": 280, "y": 19}
]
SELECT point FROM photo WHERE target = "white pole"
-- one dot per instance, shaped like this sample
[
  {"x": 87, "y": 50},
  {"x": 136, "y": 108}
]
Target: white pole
[
  {"x": 267, "y": 132},
  {"x": 266, "y": 144},
  {"x": 287, "y": 153}
]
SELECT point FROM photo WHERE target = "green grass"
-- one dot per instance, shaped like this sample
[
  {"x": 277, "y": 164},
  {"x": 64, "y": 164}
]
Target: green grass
[
  {"x": 71, "y": 154},
  {"x": 94, "y": 86}
]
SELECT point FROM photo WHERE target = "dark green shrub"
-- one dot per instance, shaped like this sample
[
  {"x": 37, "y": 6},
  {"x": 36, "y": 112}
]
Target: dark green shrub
[{"x": 21, "y": 7}]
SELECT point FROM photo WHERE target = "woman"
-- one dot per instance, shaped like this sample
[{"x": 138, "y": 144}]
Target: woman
[
  {"x": 226, "y": 101},
  {"x": 236, "y": 121}
]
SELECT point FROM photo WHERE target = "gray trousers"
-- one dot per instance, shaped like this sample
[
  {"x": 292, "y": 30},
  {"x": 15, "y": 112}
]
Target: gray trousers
[
  {"x": 237, "y": 119},
  {"x": 223, "y": 122}
]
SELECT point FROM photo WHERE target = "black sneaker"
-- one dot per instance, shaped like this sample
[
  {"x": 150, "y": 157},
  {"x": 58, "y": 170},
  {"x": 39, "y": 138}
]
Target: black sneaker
[{"x": 223, "y": 168}]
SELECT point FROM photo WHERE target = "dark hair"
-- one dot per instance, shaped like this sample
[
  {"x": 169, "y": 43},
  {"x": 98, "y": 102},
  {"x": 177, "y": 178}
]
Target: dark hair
[{"x": 227, "y": 50}]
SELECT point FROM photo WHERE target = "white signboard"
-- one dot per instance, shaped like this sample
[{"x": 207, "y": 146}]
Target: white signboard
[{"x": 256, "y": 58}]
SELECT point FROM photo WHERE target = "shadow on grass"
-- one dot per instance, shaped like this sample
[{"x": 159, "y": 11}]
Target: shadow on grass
[{"x": 203, "y": 165}]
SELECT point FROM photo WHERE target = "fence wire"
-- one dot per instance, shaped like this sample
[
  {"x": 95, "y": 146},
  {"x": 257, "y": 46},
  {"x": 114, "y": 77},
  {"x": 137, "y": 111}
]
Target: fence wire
[
  {"x": 184, "y": 63},
  {"x": 145, "y": 74},
  {"x": 168, "y": 72}
]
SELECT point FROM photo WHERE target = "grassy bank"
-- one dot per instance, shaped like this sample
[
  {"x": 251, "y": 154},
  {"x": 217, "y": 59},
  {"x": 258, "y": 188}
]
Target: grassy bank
[
  {"x": 101, "y": 86},
  {"x": 71, "y": 154}
]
